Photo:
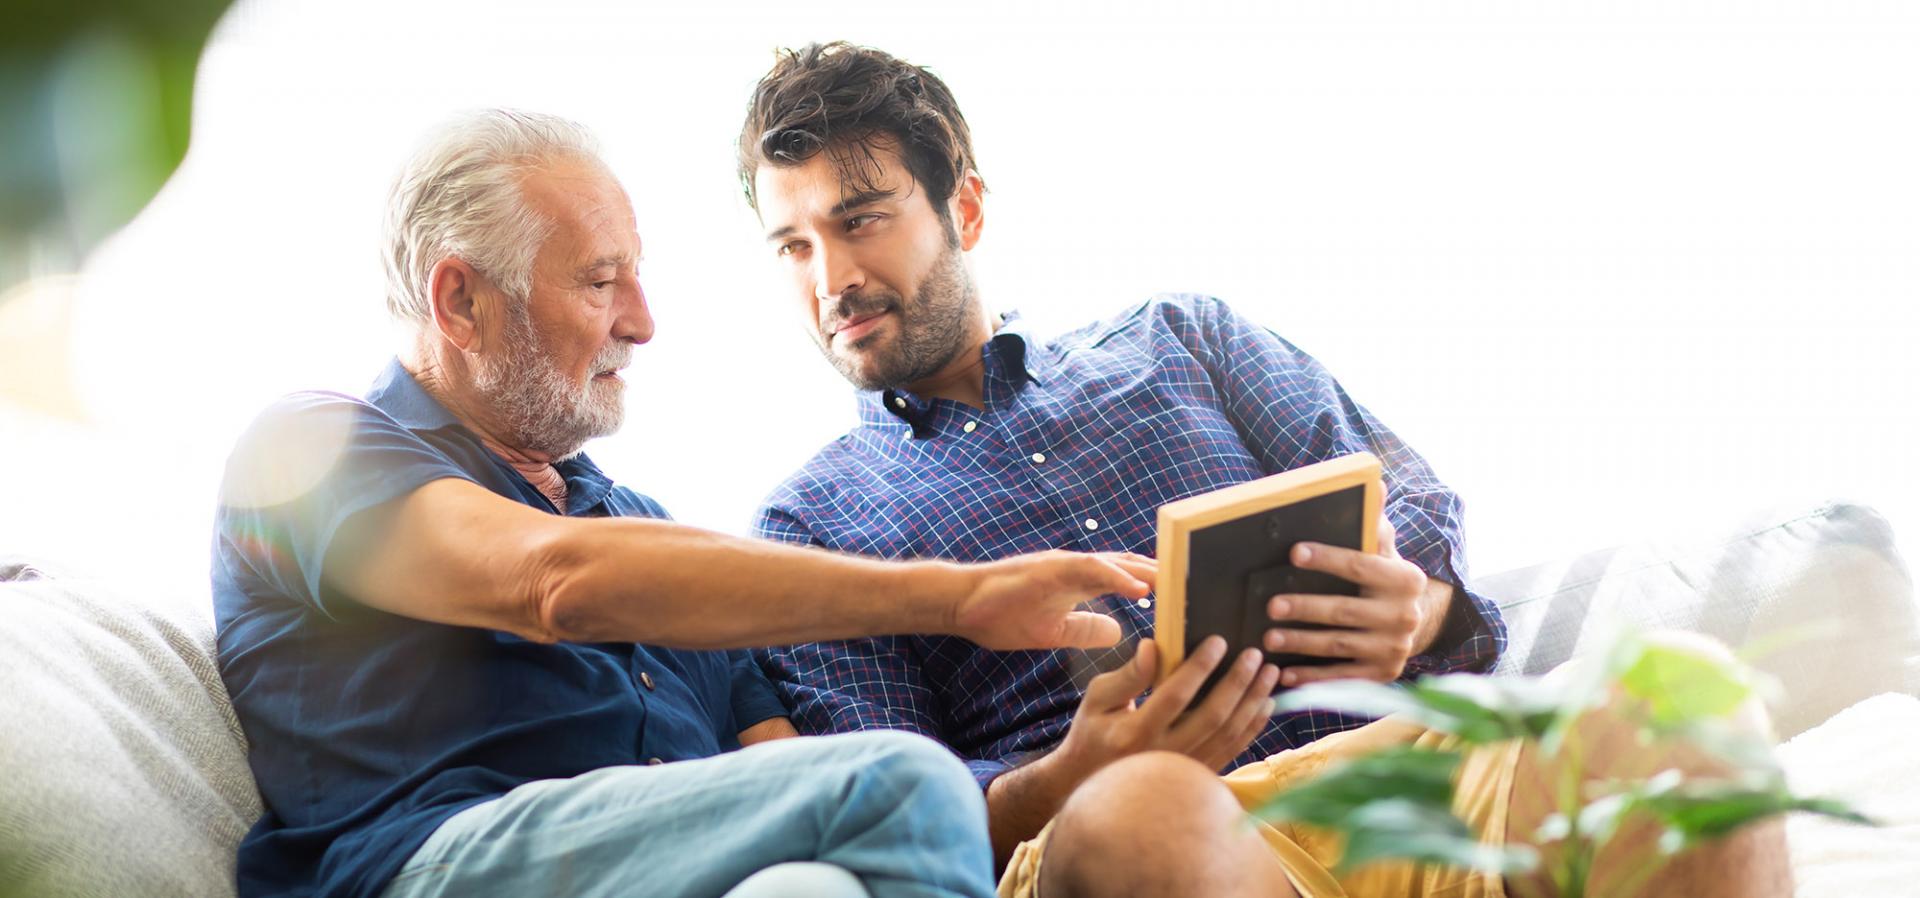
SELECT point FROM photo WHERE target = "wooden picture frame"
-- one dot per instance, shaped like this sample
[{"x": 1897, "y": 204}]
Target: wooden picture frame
[{"x": 1217, "y": 549}]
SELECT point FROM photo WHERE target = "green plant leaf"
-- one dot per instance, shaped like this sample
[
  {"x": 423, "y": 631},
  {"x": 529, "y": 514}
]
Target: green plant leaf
[
  {"x": 1478, "y": 709},
  {"x": 1501, "y": 707},
  {"x": 1700, "y": 811},
  {"x": 1393, "y": 829},
  {"x": 1600, "y": 819},
  {"x": 1680, "y": 685},
  {"x": 1359, "y": 697},
  {"x": 1402, "y": 772},
  {"x": 95, "y": 111},
  {"x": 1585, "y": 682},
  {"x": 1396, "y": 803},
  {"x": 1741, "y": 748}
]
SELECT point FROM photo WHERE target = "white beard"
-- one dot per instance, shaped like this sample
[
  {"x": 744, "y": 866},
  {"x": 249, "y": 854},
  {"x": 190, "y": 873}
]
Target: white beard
[{"x": 536, "y": 406}]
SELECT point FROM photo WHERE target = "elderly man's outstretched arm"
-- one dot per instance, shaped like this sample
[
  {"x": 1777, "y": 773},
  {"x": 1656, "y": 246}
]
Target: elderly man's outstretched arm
[{"x": 452, "y": 552}]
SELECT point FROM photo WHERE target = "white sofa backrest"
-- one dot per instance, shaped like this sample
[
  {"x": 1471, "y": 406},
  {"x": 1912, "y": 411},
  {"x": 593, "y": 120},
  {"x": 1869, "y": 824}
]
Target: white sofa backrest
[{"x": 1826, "y": 579}]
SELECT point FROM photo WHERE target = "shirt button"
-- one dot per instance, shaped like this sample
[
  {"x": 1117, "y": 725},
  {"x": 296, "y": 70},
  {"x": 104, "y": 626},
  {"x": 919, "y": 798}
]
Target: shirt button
[
  {"x": 1145, "y": 603},
  {"x": 654, "y": 762},
  {"x": 1039, "y": 457},
  {"x": 968, "y": 427},
  {"x": 646, "y": 679},
  {"x": 899, "y": 402},
  {"x": 1093, "y": 524}
]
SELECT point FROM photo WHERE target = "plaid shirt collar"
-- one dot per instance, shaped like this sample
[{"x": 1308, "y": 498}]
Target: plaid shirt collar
[{"x": 1009, "y": 365}]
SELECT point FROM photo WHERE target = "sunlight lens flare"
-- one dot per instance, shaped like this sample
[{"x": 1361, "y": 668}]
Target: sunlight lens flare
[
  {"x": 288, "y": 455},
  {"x": 36, "y": 347}
]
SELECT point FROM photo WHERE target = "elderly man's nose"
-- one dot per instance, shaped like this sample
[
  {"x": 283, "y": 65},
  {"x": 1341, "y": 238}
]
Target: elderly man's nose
[{"x": 636, "y": 320}]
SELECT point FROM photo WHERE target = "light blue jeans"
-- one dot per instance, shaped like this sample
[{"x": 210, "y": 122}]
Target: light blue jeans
[{"x": 896, "y": 810}]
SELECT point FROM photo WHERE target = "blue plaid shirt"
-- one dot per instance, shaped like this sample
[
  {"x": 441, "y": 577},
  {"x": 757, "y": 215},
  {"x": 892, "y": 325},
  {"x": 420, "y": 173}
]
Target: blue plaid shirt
[{"x": 1081, "y": 441}]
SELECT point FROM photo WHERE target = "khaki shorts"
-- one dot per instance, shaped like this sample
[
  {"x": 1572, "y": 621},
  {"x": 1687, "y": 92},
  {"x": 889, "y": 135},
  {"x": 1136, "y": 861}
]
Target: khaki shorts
[{"x": 1482, "y": 789}]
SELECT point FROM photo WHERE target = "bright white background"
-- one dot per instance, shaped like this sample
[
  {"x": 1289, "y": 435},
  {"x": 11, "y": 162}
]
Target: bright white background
[{"x": 1617, "y": 269}]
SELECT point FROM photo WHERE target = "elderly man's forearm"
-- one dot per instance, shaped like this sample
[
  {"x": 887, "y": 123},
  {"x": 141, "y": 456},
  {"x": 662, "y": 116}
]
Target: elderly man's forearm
[{"x": 653, "y": 581}]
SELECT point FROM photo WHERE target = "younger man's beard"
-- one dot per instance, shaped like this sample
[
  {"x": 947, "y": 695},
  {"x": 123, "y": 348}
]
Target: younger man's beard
[
  {"x": 933, "y": 325},
  {"x": 537, "y": 408}
]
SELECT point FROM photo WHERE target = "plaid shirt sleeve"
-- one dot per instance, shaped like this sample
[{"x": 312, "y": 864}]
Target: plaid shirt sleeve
[
  {"x": 1291, "y": 412},
  {"x": 851, "y": 684}
]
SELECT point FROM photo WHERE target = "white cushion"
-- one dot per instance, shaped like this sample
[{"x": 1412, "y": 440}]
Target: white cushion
[
  {"x": 1865, "y": 755},
  {"x": 122, "y": 768},
  {"x": 1828, "y": 576}
]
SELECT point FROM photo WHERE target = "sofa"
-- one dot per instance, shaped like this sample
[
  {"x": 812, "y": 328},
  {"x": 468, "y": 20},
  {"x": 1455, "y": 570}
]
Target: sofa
[{"x": 123, "y": 770}]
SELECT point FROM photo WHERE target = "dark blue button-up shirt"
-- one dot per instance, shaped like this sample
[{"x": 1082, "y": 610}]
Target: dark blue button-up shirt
[
  {"x": 1081, "y": 441},
  {"x": 367, "y": 729}
]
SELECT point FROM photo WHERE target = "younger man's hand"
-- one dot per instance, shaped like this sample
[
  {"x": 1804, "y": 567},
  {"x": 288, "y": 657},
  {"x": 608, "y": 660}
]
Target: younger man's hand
[
  {"x": 1112, "y": 723},
  {"x": 1392, "y": 620}
]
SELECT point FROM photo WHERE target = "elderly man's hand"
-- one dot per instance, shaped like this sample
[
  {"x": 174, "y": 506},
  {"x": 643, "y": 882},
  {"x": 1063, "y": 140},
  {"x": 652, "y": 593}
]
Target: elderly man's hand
[
  {"x": 1394, "y": 618},
  {"x": 1031, "y": 601}
]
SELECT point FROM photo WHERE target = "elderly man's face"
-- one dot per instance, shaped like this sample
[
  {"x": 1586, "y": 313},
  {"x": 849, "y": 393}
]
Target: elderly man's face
[{"x": 553, "y": 377}]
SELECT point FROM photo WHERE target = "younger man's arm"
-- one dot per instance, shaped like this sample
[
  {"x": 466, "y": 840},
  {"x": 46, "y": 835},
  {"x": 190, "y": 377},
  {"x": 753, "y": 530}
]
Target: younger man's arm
[{"x": 1290, "y": 411}]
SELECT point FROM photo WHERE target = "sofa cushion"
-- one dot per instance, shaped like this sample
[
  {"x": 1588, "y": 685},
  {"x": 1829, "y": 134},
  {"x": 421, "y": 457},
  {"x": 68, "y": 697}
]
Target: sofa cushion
[
  {"x": 1827, "y": 579},
  {"x": 14, "y": 567},
  {"x": 1864, "y": 755},
  {"x": 122, "y": 768}
]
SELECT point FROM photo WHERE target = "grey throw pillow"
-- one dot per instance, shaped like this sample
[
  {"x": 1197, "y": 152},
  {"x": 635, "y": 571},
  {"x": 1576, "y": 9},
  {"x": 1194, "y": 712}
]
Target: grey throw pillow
[
  {"x": 1826, "y": 581},
  {"x": 122, "y": 768}
]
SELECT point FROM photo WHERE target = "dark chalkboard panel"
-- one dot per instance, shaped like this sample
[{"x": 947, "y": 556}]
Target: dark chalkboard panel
[{"x": 1225, "y": 553}]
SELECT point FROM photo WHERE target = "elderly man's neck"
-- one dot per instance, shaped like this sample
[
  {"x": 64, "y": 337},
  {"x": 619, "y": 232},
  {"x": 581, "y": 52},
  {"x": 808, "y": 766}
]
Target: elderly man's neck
[{"x": 450, "y": 383}]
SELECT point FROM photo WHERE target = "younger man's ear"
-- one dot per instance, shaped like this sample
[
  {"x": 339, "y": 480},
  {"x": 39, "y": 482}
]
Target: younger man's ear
[
  {"x": 967, "y": 208},
  {"x": 453, "y": 289}
]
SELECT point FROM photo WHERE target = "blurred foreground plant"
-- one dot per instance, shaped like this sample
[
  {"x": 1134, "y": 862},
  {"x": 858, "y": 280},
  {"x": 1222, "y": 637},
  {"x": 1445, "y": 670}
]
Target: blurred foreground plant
[
  {"x": 1397, "y": 803},
  {"x": 95, "y": 105}
]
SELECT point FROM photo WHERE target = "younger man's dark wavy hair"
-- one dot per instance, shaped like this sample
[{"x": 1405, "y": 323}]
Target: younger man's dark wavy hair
[{"x": 849, "y": 101}]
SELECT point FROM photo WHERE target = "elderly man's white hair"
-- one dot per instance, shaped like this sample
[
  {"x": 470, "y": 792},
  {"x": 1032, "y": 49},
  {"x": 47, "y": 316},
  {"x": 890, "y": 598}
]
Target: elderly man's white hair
[{"x": 459, "y": 196}]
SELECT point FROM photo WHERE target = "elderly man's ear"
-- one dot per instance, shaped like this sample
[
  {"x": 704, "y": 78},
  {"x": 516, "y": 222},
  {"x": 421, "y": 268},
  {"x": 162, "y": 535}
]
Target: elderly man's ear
[{"x": 455, "y": 289}]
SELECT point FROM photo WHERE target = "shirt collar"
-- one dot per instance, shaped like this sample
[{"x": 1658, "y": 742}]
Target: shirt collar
[
  {"x": 1009, "y": 368},
  {"x": 396, "y": 392},
  {"x": 1012, "y": 347}
]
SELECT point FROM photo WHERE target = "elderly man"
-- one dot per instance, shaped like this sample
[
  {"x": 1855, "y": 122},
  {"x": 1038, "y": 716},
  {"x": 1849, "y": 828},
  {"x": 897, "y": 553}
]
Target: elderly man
[
  {"x": 469, "y": 664},
  {"x": 976, "y": 441}
]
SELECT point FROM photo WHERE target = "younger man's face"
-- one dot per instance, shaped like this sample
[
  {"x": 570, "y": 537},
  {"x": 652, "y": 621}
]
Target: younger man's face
[{"x": 877, "y": 275}]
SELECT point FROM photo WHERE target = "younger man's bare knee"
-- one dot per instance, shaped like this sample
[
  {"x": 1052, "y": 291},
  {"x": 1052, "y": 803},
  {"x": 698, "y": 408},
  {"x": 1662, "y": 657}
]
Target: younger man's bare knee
[
  {"x": 1152, "y": 824},
  {"x": 1127, "y": 824}
]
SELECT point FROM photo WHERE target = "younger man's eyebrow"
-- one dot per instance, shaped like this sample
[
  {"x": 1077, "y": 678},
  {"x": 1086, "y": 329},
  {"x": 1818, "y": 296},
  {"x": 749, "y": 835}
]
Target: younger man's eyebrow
[
  {"x": 858, "y": 200},
  {"x": 847, "y": 204}
]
